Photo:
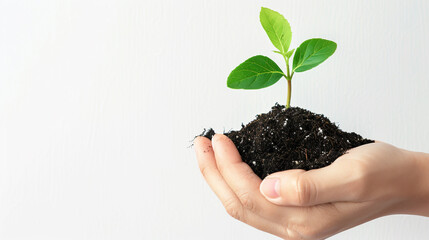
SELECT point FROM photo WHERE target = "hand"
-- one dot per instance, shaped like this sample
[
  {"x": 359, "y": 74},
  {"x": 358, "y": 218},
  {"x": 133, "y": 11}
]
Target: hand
[{"x": 368, "y": 182}]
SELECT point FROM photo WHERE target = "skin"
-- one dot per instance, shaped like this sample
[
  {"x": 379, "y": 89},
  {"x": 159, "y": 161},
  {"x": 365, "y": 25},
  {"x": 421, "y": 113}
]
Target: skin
[{"x": 368, "y": 182}]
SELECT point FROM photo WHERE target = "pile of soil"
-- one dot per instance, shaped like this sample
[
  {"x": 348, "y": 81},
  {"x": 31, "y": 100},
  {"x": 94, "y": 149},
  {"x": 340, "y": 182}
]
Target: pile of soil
[{"x": 292, "y": 138}]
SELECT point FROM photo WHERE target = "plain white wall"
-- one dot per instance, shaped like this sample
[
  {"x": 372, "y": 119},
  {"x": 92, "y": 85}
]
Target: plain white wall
[{"x": 99, "y": 101}]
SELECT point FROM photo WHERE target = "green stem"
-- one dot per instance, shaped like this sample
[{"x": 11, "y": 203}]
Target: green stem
[
  {"x": 289, "y": 91},
  {"x": 289, "y": 82},
  {"x": 287, "y": 66}
]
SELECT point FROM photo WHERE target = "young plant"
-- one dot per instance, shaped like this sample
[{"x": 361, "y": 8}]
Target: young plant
[{"x": 260, "y": 71}]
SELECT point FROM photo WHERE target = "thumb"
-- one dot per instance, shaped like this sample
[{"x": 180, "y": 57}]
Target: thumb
[{"x": 298, "y": 187}]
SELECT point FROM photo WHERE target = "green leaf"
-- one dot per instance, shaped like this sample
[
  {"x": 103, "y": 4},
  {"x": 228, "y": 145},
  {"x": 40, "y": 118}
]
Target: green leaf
[
  {"x": 277, "y": 29},
  {"x": 312, "y": 53},
  {"x": 255, "y": 73},
  {"x": 289, "y": 54}
]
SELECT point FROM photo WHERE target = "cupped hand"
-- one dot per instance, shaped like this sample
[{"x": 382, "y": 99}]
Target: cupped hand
[{"x": 367, "y": 182}]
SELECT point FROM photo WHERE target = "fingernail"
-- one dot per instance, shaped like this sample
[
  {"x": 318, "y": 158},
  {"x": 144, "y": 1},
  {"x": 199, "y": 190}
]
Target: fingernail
[{"x": 270, "y": 187}]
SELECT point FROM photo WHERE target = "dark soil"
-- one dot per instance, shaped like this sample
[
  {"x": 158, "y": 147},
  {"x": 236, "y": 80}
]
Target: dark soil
[{"x": 292, "y": 138}]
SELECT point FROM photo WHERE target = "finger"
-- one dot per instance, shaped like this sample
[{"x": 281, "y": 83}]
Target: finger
[
  {"x": 207, "y": 165},
  {"x": 233, "y": 206},
  {"x": 336, "y": 182},
  {"x": 242, "y": 180}
]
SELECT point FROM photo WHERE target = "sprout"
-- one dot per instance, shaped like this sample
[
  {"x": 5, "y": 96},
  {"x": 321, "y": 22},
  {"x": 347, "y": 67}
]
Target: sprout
[{"x": 260, "y": 71}]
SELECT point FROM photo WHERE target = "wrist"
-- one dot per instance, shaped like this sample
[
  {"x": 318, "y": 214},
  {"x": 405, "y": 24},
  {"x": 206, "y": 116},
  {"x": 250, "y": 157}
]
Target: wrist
[
  {"x": 422, "y": 160},
  {"x": 417, "y": 202}
]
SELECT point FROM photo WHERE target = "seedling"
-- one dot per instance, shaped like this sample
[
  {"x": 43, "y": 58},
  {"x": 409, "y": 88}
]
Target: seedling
[{"x": 260, "y": 71}]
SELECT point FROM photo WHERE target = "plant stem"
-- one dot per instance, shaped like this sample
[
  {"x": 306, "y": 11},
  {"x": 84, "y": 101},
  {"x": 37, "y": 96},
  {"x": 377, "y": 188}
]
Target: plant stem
[
  {"x": 287, "y": 67},
  {"x": 289, "y": 82},
  {"x": 289, "y": 90}
]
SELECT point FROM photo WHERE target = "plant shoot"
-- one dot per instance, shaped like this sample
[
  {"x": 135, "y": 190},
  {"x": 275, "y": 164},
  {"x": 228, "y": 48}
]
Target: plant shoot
[{"x": 260, "y": 71}]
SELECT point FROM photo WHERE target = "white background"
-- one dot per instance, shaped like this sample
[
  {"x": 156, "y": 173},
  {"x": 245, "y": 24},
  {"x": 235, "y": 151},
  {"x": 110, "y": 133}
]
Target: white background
[{"x": 99, "y": 101}]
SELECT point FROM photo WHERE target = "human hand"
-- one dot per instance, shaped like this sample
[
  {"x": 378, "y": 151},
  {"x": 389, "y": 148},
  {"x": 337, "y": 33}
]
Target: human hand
[{"x": 368, "y": 182}]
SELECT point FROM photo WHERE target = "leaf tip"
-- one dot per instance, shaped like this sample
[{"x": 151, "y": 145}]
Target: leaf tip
[
  {"x": 261, "y": 13},
  {"x": 228, "y": 83},
  {"x": 265, "y": 10}
]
